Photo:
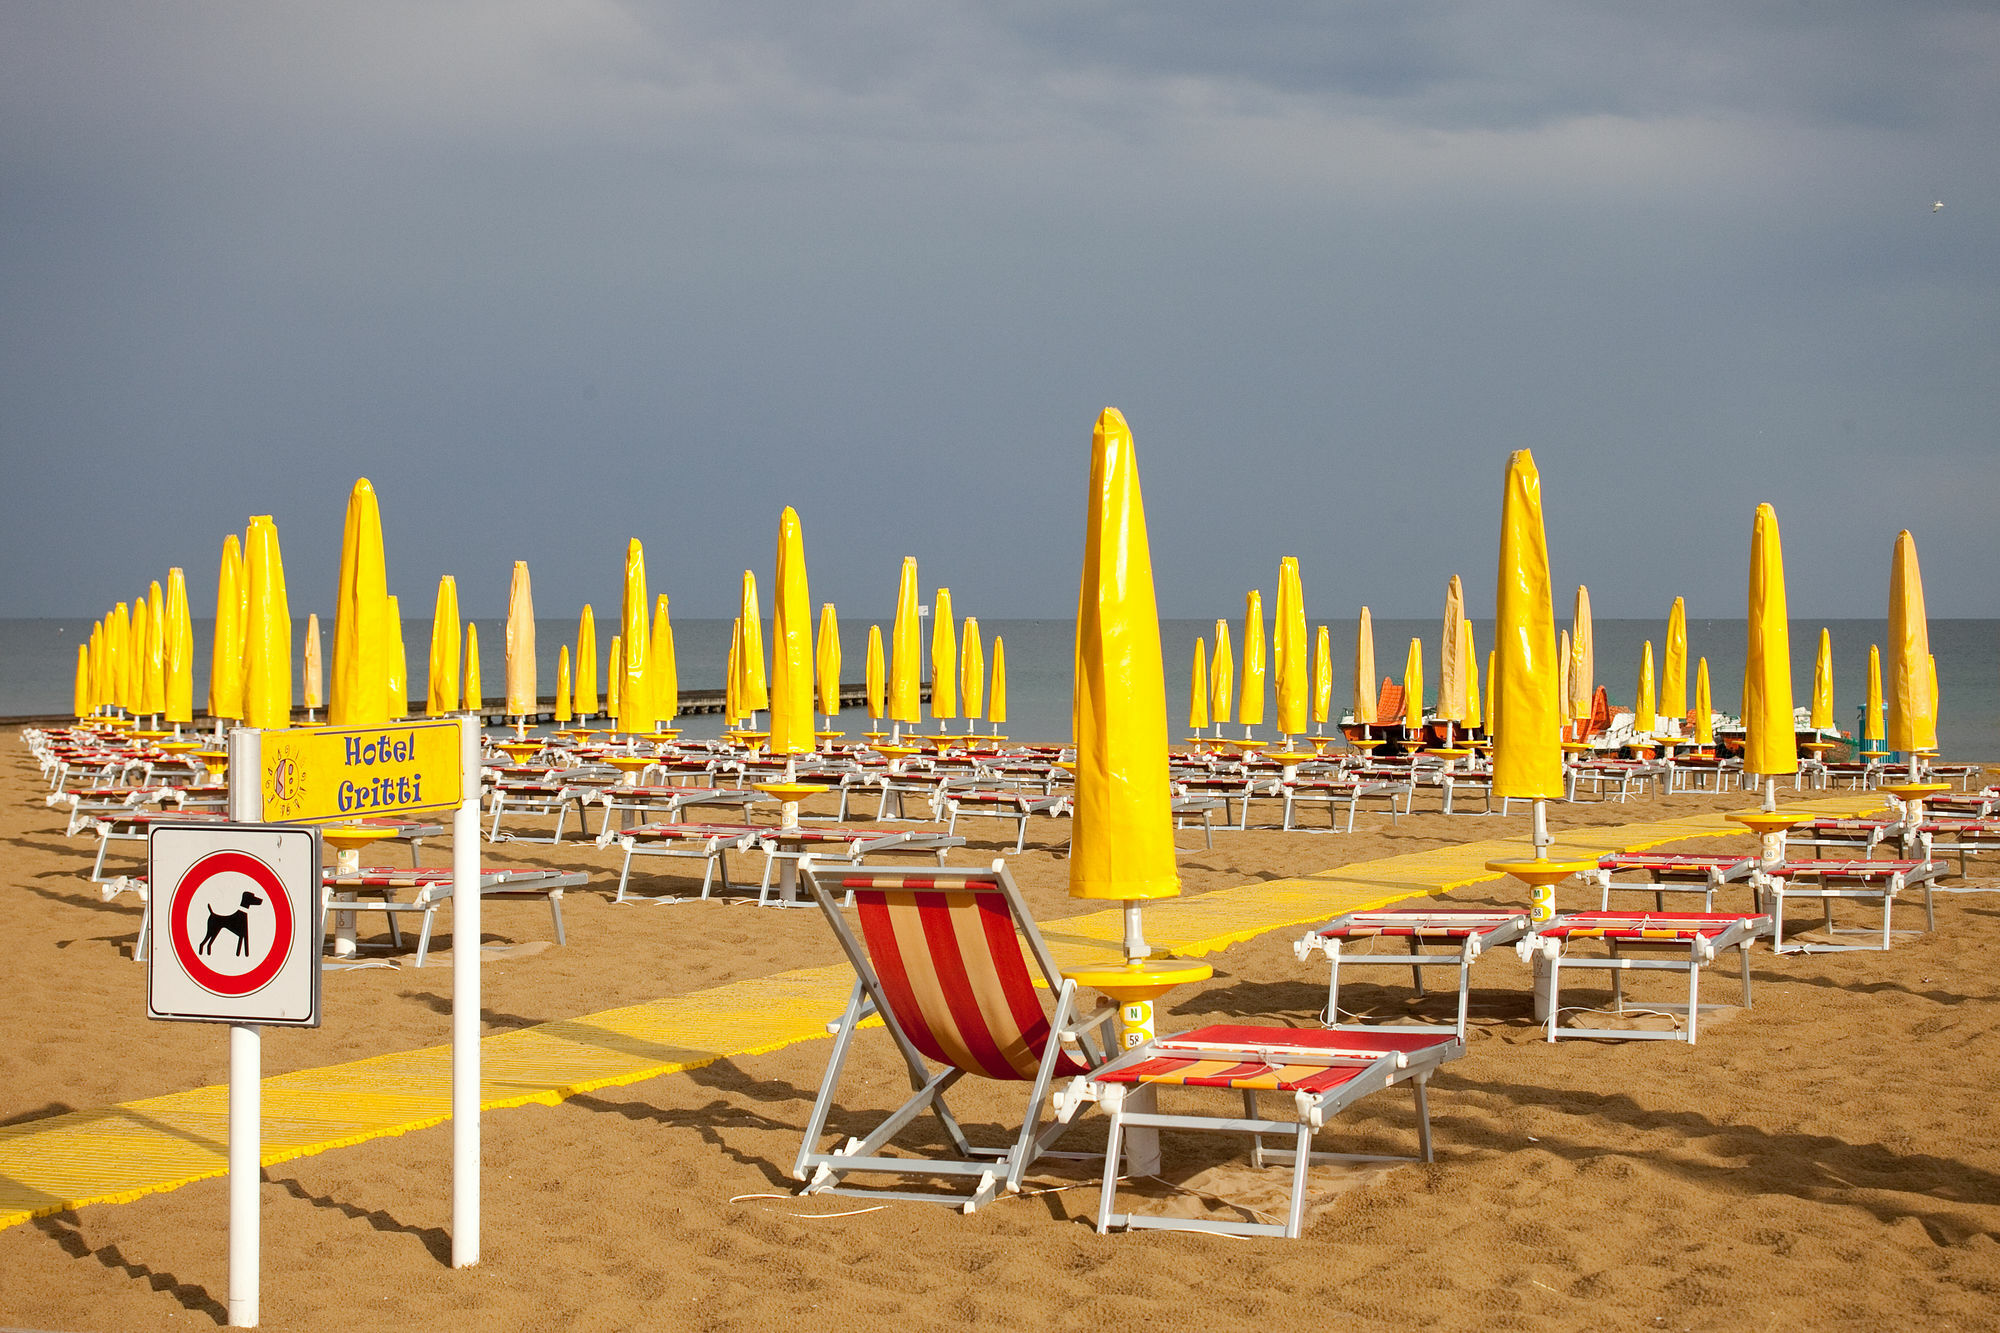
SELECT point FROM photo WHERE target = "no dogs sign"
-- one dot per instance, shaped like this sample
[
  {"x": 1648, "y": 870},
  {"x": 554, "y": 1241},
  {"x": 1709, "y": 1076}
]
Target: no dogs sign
[{"x": 235, "y": 924}]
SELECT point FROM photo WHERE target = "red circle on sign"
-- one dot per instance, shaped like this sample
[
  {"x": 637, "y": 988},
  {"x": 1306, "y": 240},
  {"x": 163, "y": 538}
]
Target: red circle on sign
[{"x": 220, "y": 863}]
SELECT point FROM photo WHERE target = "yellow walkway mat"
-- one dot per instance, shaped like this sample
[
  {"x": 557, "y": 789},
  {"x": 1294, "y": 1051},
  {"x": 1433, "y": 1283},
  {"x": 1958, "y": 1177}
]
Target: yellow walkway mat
[{"x": 119, "y": 1153}]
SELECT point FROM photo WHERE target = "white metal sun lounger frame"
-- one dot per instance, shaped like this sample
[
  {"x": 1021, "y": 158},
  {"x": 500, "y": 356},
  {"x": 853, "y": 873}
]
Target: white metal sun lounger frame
[
  {"x": 1699, "y": 950},
  {"x": 1493, "y": 929},
  {"x": 1864, "y": 881}
]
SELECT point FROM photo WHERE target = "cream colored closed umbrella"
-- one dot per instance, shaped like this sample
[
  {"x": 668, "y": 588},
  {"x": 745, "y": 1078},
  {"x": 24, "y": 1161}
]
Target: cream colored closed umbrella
[
  {"x": 1451, "y": 666},
  {"x": 1583, "y": 658},
  {"x": 312, "y": 673},
  {"x": 1912, "y": 704},
  {"x": 1565, "y": 656},
  {"x": 523, "y": 691}
]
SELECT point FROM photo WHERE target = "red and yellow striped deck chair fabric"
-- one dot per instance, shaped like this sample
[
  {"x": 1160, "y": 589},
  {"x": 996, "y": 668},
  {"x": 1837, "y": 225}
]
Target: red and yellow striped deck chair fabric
[{"x": 948, "y": 958}]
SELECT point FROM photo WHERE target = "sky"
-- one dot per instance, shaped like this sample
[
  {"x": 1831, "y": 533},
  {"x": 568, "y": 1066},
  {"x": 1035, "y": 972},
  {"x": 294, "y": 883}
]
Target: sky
[{"x": 562, "y": 273}]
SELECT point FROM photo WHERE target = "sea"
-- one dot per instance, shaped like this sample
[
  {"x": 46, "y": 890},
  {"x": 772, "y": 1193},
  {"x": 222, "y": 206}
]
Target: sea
[{"x": 38, "y": 665}]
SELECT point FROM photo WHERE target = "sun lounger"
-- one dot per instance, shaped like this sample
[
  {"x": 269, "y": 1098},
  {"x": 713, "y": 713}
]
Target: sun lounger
[
  {"x": 433, "y": 885},
  {"x": 1622, "y": 778},
  {"x": 657, "y": 804},
  {"x": 989, "y": 803},
  {"x": 1862, "y": 834},
  {"x": 1670, "y": 872},
  {"x": 1320, "y": 1074},
  {"x": 1860, "y": 881},
  {"x": 948, "y": 960},
  {"x": 707, "y": 843},
  {"x": 1698, "y": 938},
  {"x": 1332, "y": 793},
  {"x": 1965, "y": 837},
  {"x": 1469, "y": 933}
]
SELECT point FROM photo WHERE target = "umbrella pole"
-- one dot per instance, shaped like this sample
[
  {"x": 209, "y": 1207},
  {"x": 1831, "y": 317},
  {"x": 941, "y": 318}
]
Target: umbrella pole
[
  {"x": 1541, "y": 833},
  {"x": 1136, "y": 949},
  {"x": 1770, "y": 791}
]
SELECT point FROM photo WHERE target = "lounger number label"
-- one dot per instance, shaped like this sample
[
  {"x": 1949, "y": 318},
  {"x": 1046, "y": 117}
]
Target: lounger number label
[{"x": 236, "y": 933}]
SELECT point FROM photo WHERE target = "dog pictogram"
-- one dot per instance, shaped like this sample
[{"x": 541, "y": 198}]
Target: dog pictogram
[{"x": 236, "y": 923}]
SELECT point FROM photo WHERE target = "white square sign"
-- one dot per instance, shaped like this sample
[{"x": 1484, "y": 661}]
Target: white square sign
[{"x": 236, "y": 928}]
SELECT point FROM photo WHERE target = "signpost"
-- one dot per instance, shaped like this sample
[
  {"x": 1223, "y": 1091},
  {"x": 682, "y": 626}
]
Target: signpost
[{"x": 236, "y": 939}]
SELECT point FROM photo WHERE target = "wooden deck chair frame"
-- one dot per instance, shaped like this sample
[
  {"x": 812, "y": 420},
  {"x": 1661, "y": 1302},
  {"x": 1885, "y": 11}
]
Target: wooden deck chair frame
[{"x": 990, "y": 1169}]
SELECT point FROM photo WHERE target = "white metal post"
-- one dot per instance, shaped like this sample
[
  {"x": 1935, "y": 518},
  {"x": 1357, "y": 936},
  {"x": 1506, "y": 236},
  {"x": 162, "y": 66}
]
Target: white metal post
[
  {"x": 465, "y": 1003},
  {"x": 246, "y": 1072}
]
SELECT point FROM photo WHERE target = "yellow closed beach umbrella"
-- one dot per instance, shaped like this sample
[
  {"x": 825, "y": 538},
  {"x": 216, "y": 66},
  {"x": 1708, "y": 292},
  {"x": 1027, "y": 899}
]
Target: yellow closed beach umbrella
[
  {"x": 1704, "y": 706},
  {"x": 468, "y": 679},
  {"x": 80, "y": 694},
  {"x": 1221, "y": 677},
  {"x": 267, "y": 630},
  {"x": 944, "y": 657},
  {"x": 1770, "y": 738},
  {"x": 1583, "y": 658},
  {"x": 1366, "y": 698},
  {"x": 96, "y": 650},
  {"x": 905, "y": 650},
  {"x": 971, "y": 671},
  {"x": 1288, "y": 645},
  {"x": 1821, "y": 717},
  {"x": 614, "y": 675},
  {"x": 996, "y": 693},
  {"x": 360, "y": 693},
  {"x": 1322, "y": 678},
  {"x": 1413, "y": 687},
  {"x": 225, "y": 660},
  {"x": 1645, "y": 713},
  {"x": 1198, "y": 686},
  {"x": 586, "y": 700},
  {"x": 523, "y": 690},
  {"x": 441, "y": 680},
  {"x": 792, "y": 725},
  {"x": 1123, "y": 846},
  {"x": 1937, "y": 704},
  {"x": 312, "y": 672},
  {"x": 1250, "y": 699},
  {"x": 1451, "y": 666},
  {"x": 1526, "y": 715},
  {"x": 118, "y": 629},
  {"x": 626, "y": 700},
  {"x": 1673, "y": 665},
  {"x": 142, "y": 651},
  {"x": 154, "y": 688},
  {"x": 563, "y": 713},
  {"x": 1473, "y": 712},
  {"x": 1491, "y": 662},
  {"x": 1871, "y": 716},
  {"x": 1912, "y": 705},
  {"x": 663, "y": 673},
  {"x": 399, "y": 664},
  {"x": 876, "y": 676},
  {"x": 755, "y": 685},
  {"x": 826, "y": 660}
]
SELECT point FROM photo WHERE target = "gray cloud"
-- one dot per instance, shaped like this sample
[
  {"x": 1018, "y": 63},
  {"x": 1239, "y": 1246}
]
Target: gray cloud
[{"x": 558, "y": 274}]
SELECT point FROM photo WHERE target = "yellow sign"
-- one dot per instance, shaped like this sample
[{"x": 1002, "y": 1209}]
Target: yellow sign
[{"x": 312, "y": 774}]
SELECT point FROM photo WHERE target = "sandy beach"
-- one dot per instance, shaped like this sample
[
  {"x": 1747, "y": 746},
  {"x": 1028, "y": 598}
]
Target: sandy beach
[{"x": 1824, "y": 1160}]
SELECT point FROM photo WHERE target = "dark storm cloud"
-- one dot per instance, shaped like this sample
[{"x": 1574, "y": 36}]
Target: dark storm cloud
[{"x": 556, "y": 274}]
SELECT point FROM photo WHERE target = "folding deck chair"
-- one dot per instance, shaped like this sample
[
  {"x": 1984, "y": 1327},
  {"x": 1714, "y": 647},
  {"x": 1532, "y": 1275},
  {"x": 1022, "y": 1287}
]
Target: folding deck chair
[
  {"x": 1700, "y": 938},
  {"x": 1471, "y": 931},
  {"x": 1323, "y": 1073},
  {"x": 948, "y": 959}
]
